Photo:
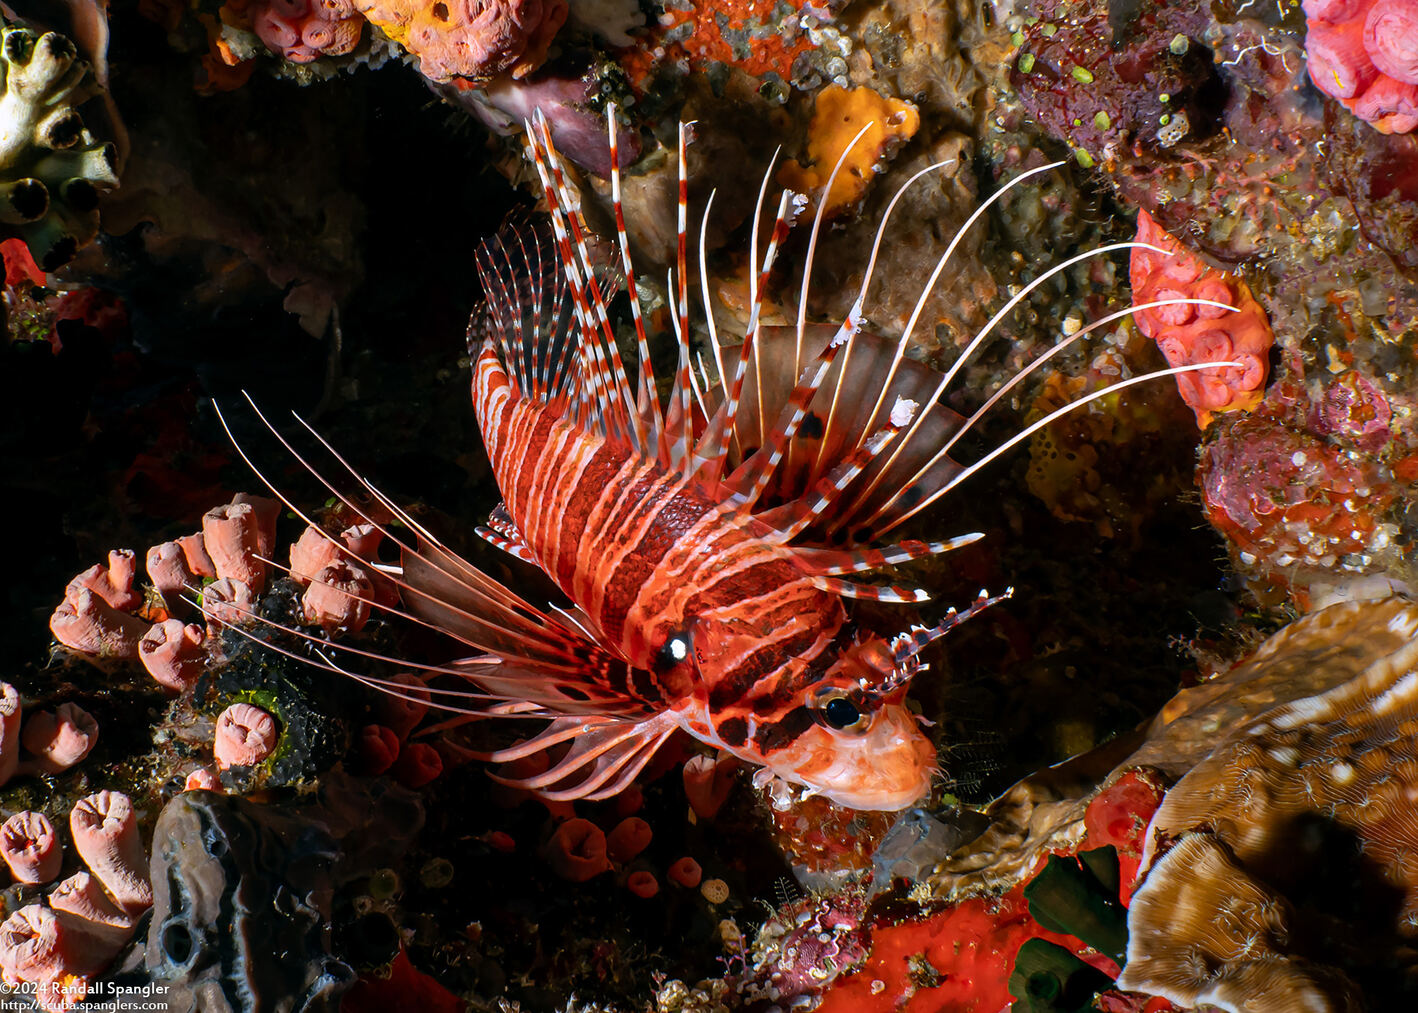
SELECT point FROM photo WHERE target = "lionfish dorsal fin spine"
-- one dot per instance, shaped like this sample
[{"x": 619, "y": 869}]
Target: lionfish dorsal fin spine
[
  {"x": 833, "y": 562},
  {"x": 647, "y": 401},
  {"x": 613, "y": 403}
]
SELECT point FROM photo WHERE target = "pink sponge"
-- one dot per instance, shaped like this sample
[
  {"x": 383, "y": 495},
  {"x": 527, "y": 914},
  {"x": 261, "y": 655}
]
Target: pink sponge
[
  {"x": 1190, "y": 334},
  {"x": 473, "y": 39},
  {"x": 1365, "y": 54}
]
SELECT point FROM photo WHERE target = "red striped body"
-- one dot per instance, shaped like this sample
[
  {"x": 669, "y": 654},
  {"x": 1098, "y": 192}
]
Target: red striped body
[{"x": 647, "y": 556}]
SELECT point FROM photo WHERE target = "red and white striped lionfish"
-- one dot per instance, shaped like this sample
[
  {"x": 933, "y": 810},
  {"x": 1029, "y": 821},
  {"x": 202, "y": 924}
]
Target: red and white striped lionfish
[{"x": 703, "y": 544}]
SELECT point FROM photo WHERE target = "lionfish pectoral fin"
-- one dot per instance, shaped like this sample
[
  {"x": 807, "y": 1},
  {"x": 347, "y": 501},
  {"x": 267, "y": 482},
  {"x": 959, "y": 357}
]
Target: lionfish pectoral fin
[
  {"x": 868, "y": 381},
  {"x": 560, "y": 690},
  {"x": 550, "y": 658},
  {"x": 605, "y": 756}
]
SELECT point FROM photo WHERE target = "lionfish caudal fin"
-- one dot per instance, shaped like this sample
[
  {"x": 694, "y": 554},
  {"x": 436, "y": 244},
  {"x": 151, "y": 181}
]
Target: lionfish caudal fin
[{"x": 829, "y": 432}]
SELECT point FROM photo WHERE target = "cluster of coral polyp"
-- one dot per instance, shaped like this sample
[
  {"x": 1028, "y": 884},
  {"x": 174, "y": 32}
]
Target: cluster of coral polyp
[
  {"x": 56, "y": 948},
  {"x": 1190, "y": 334},
  {"x": 1365, "y": 54},
  {"x": 1297, "y": 508},
  {"x": 302, "y": 30}
]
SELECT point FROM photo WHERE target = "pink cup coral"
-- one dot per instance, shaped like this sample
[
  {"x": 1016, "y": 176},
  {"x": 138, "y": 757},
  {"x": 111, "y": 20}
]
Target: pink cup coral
[
  {"x": 58, "y": 948},
  {"x": 9, "y": 731},
  {"x": 28, "y": 845},
  {"x": 52, "y": 951},
  {"x": 113, "y": 583},
  {"x": 105, "y": 830},
  {"x": 60, "y": 738},
  {"x": 246, "y": 735},
  {"x": 1189, "y": 334},
  {"x": 708, "y": 782},
  {"x": 86, "y": 623},
  {"x": 167, "y": 568},
  {"x": 339, "y": 596},
  {"x": 1364, "y": 53},
  {"x": 171, "y": 651},
  {"x": 231, "y": 535},
  {"x": 227, "y": 601},
  {"x": 577, "y": 851}
]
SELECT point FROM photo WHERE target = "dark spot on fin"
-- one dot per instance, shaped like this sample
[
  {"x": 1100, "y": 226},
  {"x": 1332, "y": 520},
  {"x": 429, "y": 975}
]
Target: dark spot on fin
[
  {"x": 734, "y": 731},
  {"x": 811, "y": 427},
  {"x": 573, "y": 693}
]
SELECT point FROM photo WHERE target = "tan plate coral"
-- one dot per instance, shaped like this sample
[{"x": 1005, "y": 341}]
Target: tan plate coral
[{"x": 1295, "y": 841}]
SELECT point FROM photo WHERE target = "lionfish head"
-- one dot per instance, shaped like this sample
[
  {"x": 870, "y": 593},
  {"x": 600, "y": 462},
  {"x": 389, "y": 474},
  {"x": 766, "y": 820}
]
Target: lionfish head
[{"x": 864, "y": 748}]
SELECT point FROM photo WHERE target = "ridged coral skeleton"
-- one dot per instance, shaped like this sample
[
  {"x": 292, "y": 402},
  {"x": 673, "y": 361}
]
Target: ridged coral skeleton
[{"x": 51, "y": 168}]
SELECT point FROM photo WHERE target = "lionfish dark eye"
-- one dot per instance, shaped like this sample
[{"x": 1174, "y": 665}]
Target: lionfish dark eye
[
  {"x": 674, "y": 652},
  {"x": 839, "y": 712}
]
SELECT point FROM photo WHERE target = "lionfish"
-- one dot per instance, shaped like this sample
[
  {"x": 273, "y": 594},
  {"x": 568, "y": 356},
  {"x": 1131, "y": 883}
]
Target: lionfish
[{"x": 703, "y": 545}]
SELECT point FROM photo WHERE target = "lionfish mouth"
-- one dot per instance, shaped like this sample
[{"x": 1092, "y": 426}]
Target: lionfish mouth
[{"x": 887, "y": 768}]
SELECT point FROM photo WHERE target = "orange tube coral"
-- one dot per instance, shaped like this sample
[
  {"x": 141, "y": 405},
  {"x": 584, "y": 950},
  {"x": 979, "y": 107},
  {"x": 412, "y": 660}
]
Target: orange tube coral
[
  {"x": 172, "y": 653},
  {"x": 577, "y": 851},
  {"x": 1194, "y": 334},
  {"x": 112, "y": 583},
  {"x": 9, "y": 731},
  {"x": 231, "y": 535},
  {"x": 339, "y": 596},
  {"x": 84, "y": 622}
]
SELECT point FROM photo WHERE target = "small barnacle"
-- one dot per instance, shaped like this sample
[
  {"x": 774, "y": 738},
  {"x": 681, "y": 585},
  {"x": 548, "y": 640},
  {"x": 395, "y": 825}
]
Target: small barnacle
[{"x": 1173, "y": 128}]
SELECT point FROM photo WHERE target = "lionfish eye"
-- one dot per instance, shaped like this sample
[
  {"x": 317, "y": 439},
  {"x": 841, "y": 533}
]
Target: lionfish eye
[
  {"x": 673, "y": 652},
  {"x": 841, "y": 713}
]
